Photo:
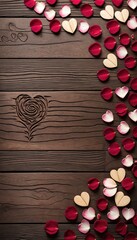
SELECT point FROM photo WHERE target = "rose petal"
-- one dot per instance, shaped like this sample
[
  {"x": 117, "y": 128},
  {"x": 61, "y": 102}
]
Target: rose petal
[
  {"x": 128, "y": 213},
  {"x": 109, "y": 133},
  {"x": 134, "y": 46},
  {"x": 51, "y": 227},
  {"x": 121, "y": 228},
  {"x": 90, "y": 236},
  {"x": 132, "y": 23},
  {"x": 65, "y": 11},
  {"x": 76, "y": 2},
  {"x": 36, "y": 25},
  {"x": 127, "y": 183},
  {"x": 83, "y": 27},
  {"x": 133, "y": 99},
  {"x": 121, "y": 109},
  {"x": 133, "y": 84},
  {"x": 71, "y": 213},
  {"x": 106, "y": 93},
  {"x": 110, "y": 43},
  {"x": 89, "y": 213},
  {"x": 108, "y": 236},
  {"x": 122, "y": 91},
  {"x": 123, "y": 75},
  {"x": 55, "y": 26},
  {"x": 109, "y": 183},
  {"x": 132, "y": 4},
  {"x": 69, "y": 235},
  {"x": 131, "y": 236},
  {"x": 30, "y": 3},
  {"x": 95, "y": 31},
  {"x": 84, "y": 226},
  {"x": 109, "y": 192},
  {"x": 86, "y": 10},
  {"x": 133, "y": 115},
  {"x": 99, "y": 3},
  {"x": 95, "y": 49},
  {"x": 114, "y": 149},
  {"x": 108, "y": 116},
  {"x": 134, "y": 170},
  {"x": 124, "y": 39},
  {"x": 100, "y": 225},
  {"x": 93, "y": 184},
  {"x": 49, "y": 14},
  {"x": 127, "y": 161},
  {"x": 51, "y": 2},
  {"x": 134, "y": 220},
  {"x": 113, "y": 214},
  {"x": 123, "y": 127},
  {"x": 102, "y": 204},
  {"x": 128, "y": 144},
  {"x": 117, "y": 3},
  {"x": 103, "y": 75},
  {"x": 39, "y": 7},
  {"x": 135, "y": 132},
  {"x": 130, "y": 62},
  {"x": 113, "y": 26},
  {"x": 121, "y": 52}
]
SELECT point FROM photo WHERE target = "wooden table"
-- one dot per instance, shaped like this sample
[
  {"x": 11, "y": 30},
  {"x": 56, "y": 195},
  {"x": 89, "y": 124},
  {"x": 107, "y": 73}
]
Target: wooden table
[{"x": 48, "y": 153}]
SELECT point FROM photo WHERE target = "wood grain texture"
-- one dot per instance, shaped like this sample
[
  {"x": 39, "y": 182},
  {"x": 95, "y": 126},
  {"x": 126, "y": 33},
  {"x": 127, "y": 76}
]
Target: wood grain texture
[
  {"x": 38, "y": 197},
  {"x": 10, "y": 8},
  {"x": 26, "y": 161},
  {"x": 52, "y": 74},
  {"x": 17, "y": 41},
  {"x": 35, "y": 231}
]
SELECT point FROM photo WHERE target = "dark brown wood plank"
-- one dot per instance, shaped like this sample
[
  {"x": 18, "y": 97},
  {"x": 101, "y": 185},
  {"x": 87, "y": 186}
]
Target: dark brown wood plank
[
  {"x": 38, "y": 197},
  {"x": 51, "y": 161},
  {"x": 17, "y": 41},
  {"x": 61, "y": 74},
  {"x": 36, "y": 231},
  {"x": 11, "y": 8}
]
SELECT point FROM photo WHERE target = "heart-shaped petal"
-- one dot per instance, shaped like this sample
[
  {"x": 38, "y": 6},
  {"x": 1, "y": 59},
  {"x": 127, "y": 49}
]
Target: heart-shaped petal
[
  {"x": 123, "y": 127},
  {"x": 107, "y": 13},
  {"x": 83, "y": 27},
  {"x": 108, "y": 116},
  {"x": 109, "y": 192},
  {"x": 113, "y": 214},
  {"x": 65, "y": 11},
  {"x": 49, "y": 14},
  {"x": 118, "y": 175},
  {"x": 122, "y": 91},
  {"x": 84, "y": 226},
  {"x": 70, "y": 26},
  {"x": 110, "y": 61},
  {"x": 39, "y": 7},
  {"x": 133, "y": 115},
  {"x": 128, "y": 213},
  {"x": 89, "y": 213},
  {"x": 132, "y": 4},
  {"x": 122, "y": 16},
  {"x": 109, "y": 183},
  {"x": 122, "y": 200},
  {"x": 132, "y": 23},
  {"x": 121, "y": 52},
  {"x": 128, "y": 161}
]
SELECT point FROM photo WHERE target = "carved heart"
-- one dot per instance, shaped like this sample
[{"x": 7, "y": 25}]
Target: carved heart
[
  {"x": 110, "y": 61},
  {"x": 70, "y": 26},
  {"x": 122, "y": 16},
  {"x": 107, "y": 13},
  {"x": 82, "y": 200},
  {"x": 118, "y": 175},
  {"x": 122, "y": 200}
]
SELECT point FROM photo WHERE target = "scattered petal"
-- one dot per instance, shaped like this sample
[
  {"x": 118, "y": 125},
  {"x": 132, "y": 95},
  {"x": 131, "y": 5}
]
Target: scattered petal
[
  {"x": 100, "y": 225},
  {"x": 113, "y": 26},
  {"x": 99, "y": 3},
  {"x": 134, "y": 220},
  {"x": 84, "y": 226},
  {"x": 121, "y": 52},
  {"x": 132, "y": 23},
  {"x": 133, "y": 99},
  {"x": 117, "y": 3},
  {"x": 121, "y": 228},
  {"x": 133, "y": 84},
  {"x": 128, "y": 144},
  {"x": 95, "y": 49},
  {"x": 71, "y": 213},
  {"x": 123, "y": 75},
  {"x": 108, "y": 117},
  {"x": 135, "y": 132},
  {"x": 114, "y": 149},
  {"x": 76, "y": 2},
  {"x": 133, "y": 115},
  {"x": 110, "y": 43},
  {"x": 30, "y": 3},
  {"x": 128, "y": 213},
  {"x": 130, "y": 62},
  {"x": 109, "y": 192},
  {"x": 39, "y": 7},
  {"x": 89, "y": 213},
  {"x": 51, "y": 227},
  {"x": 109, "y": 134},
  {"x": 55, "y": 26},
  {"x": 109, "y": 183},
  {"x": 108, "y": 236},
  {"x": 123, "y": 127},
  {"x": 95, "y": 31},
  {"x": 86, "y": 10},
  {"x": 103, "y": 75},
  {"x": 83, "y": 27},
  {"x": 132, "y": 4},
  {"x": 131, "y": 236},
  {"x": 122, "y": 91},
  {"x": 121, "y": 109},
  {"x": 93, "y": 184},
  {"x": 124, "y": 39},
  {"x": 36, "y": 25},
  {"x": 127, "y": 183},
  {"x": 134, "y": 46},
  {"x": 69, "y": 235},
  {"x": 51, "y": 2},
  {"x": 113, "y": 214},
  {"x": 102, "y": 204},
  {"x": 49, "y": 14},
  {"x": 65, "y": 11},
  {"x": 106, "y": 93},
  {"x": 134, "y": 170},
  {"x": 90, "y": 236},
  {"x": 127, "y": 161}
]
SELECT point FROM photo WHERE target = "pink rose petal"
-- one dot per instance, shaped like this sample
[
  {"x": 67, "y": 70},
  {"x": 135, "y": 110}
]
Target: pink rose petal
[
  {"x": 122, "y": 91},
  {"x": 39, "y": 7},
  {"x": 108, "y": 116},
  {"x": 49, "y": 14},
  {"x": 123, "y": 127},
  {"x": 127, "y": 161},
  {"x": 83, "y": 27},
  {"x": 109, "y": 183},
  {"x": 84, "y": 226},
  {"x": 132, "y": 23},
  {"x": 133, "y": 115},
  {"x": 132, "y": 4},
  {"x": 109, "y": 192},
  {"x": 65, "y": 11},
  {"x": 89, "y": 213},
  {"x": 121, "y": 52},
  {"x": 128, "y": 213},
  {"x": 113, "y": 214}
]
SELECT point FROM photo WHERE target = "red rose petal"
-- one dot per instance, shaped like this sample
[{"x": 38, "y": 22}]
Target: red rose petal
[
  {"x": 36, "y": 25},
  {"x": 123, "y": 75},
  {"x": 76, "y": 2},
  {"x": 124, "y": 39},
  {"x": 100, "y": 226},
  {"x": 51, "y": 227},
  {"x": 110, "y": 43},
  {"x": 71, "y": 213},
  {"x": 113, "y": 26},
  {"x": 90, "y": 236},
  {"x": 131, "y": 236},
  {"x": 133, "y": 99},
  {"x": 93, "y": 184},
  {"x": 127, "y": 183},
  {"x": 99, "y": 3},
  {"x": 135, "y": 132},
  {"x": 98, "y": 216},
  {"x": 134, "y": 46},
  {"x": 134, "y": 220},
  {"x": 95, "y": 31},
  {"x": 117, "y": 3},
  {"x": 106, "y": 93},
  {"x": 121, "y": 109},
  {"x": 128, "y": 144},
  {"x": 95, "y": 49},
  {"x": 121, "y": 228},
  {"x": 51, "y": 2},
  {"x": 102, "y": 204},
  {"x": 133, "y": 84},
  {"x": 114, "y": 149},
  {"x": 130, "y": 62},
  {"x": 134, "y": 170},
  {"x": 30, "y": 3},
  {"x": 103, "y": 75},
  {"x": 109, "y": 133},
  {"x": 108, "y": 236},
  {"x": 86, "y": 10},
  {"x": 69, "y": 235},
  {"x": 55, "y": 26}
]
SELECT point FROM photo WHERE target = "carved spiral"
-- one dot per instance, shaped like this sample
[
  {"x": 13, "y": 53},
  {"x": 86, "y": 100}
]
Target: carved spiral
[{"x": 31, "y": 110}]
